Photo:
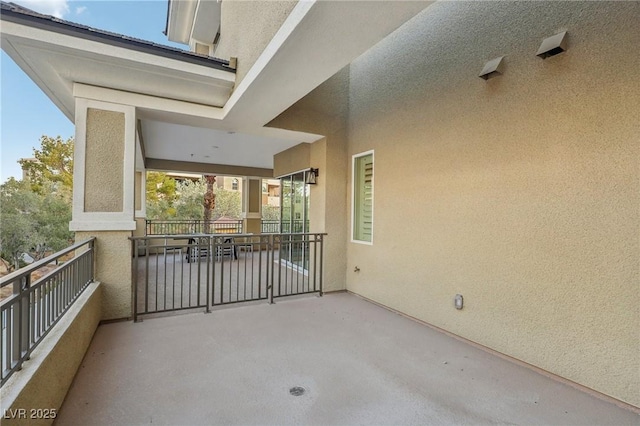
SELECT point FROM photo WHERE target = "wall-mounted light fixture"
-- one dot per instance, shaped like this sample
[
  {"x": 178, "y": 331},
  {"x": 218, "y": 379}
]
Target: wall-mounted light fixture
[
  {"x": 493, "y": 68},
  {"x": 553, "y": 45},
  {"x": 310, "y": 176}
]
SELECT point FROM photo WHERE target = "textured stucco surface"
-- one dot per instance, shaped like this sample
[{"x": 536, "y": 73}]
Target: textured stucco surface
[
  {"x": 521, "y": 193},
  {"x": 104, "y": 161},
  {"x": 292, "y": 160},
  {"x": 113, "y": 270},
  {"x": 324, "y": 111},
  {"x": 45, "y": 379},
  {"x": 247, "y": 27},
  {"x": 138, "y": 190}
]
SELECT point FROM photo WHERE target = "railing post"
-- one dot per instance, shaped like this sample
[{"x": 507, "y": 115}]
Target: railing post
[
  {"x": 24, "y": 315},
  {"x": 270, "y": 264},
  {"x": 134, "y": 281},
  {"x": 92, "y": 247},
  {"x": 210, "y": 273},
  {"x": 321, "y": 262}
]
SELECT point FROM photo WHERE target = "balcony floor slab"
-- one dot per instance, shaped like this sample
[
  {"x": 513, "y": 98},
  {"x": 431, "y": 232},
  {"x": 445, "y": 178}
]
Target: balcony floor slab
[{"x": 357, "y": 362}]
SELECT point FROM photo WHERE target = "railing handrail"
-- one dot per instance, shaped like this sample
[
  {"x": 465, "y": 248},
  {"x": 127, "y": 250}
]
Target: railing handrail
[
  {"x": 193, "y": 220},
  {"x": 202, "y": 235},
  {"x": 27, "y": 270}
]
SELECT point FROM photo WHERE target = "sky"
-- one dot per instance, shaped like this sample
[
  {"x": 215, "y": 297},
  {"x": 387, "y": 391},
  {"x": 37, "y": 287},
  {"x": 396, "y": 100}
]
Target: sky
[{"x": 21, "y": 100}]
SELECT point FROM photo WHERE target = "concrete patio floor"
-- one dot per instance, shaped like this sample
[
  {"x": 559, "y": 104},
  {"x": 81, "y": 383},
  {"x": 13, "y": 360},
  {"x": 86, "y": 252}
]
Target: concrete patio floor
[{"x": 359, "y": 364}]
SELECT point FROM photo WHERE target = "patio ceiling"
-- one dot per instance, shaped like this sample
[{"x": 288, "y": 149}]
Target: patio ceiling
[{"x": 186, "y": 103}]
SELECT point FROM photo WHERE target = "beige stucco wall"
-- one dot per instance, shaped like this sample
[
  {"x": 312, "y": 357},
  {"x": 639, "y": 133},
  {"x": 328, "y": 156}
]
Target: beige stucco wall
[
  {"x": 323, "y": 111},
  {"x": 292, "y": 160},
  {"x": 520, "y": 193},
  {"x": 138, "y": 191},
  {"x": 105, "y": 146},
  {"x": 254, "y": 196},
  {"x": 43, "y": 382},
  {"x": 113, "y": 270},
  {"x": 247, "y": 27}
]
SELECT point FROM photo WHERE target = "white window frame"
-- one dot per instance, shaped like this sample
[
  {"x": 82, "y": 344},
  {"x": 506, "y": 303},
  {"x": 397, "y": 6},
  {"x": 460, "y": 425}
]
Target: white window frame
[{"x": 353, "y": 195}]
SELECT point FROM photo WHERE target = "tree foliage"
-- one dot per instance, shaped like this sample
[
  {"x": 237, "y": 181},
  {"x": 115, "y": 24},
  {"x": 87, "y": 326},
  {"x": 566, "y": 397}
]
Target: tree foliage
[
  {"x": 33, "y": 222},
  {"x": 188, "y": 201},
  {"x": 270, "y": 212},
  {"x": 53, "y": 164},
  {"x": 160, "y": 187}
]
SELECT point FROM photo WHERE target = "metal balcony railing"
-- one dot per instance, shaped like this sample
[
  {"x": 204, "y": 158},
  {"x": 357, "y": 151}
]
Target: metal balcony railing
[
  {"x": 274, "y": 227},
  {"x": 33, "y": 308},
  {"x": 178, "y": 272},
  {"x": 195, "y": 226}
]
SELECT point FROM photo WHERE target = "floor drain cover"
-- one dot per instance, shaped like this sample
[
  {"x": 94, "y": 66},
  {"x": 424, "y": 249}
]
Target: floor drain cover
[{"x": 296, "y": 391}]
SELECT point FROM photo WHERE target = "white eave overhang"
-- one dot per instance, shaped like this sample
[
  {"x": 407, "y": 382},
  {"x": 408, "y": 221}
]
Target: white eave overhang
[{"x": 56, "y": 57}]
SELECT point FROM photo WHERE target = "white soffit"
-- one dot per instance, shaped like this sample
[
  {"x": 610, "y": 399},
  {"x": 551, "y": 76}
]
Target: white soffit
[
  {"x": 56, "y": 61},
  {"x": 317, "y": 40},
  {"x": 175, "y": 142}
]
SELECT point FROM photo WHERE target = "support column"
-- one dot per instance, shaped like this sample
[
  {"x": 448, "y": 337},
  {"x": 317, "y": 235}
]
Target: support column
[
  {"x": 104, "y": 202},
  {"x": 252, "y": 205}
]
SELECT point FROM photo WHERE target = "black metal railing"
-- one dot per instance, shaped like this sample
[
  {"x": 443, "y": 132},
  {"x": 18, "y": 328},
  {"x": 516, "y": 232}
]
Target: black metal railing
[
  {"x": 33, "y": 308},
  {"x": 270, "y": 226},
  {"x": 195, "y": 226},
  {"x": 274, "y": 227},
  {"x": 178, "y": 272}
]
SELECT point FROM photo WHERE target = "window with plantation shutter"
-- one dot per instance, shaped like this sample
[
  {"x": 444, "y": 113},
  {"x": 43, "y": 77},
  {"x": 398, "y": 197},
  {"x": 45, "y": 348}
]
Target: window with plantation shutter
[{"x": 363, "y": 197}]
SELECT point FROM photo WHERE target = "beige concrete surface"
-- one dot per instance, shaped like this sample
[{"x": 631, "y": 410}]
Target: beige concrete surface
[
  {"x": 359, "y": 364},
  {"x": 40, "y": 387}
]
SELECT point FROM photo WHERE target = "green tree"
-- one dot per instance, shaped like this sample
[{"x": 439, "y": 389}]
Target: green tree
[
  {"x": 188, "y": 204},
  {"x": 160, "y": 187},
  {"x": 52, "y": 220},
  {"x": 161, "y": 194},
  {"x": 32, "y": 222},
  {"x": 228, "y": 204},
  {"x": 53, "y": 163},
  {"x": 18, "y": 230},
  {"x": 185, "y": 199},
  {"x": 270, "y": 212}
]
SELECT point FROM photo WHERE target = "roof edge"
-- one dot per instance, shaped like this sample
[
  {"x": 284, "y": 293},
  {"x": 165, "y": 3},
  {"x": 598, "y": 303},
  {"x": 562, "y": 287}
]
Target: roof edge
[{"x": 17, "y": 14}]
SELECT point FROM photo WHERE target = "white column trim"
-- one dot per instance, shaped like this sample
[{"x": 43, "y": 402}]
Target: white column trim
[{"x": 103, "y": 221}]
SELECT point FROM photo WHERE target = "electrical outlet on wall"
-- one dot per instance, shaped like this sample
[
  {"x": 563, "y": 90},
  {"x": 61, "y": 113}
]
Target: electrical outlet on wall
[{"x": 458, "y": 301}]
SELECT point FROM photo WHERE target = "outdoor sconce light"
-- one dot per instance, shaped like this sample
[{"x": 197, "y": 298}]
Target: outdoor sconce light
[
  {"x": 311, "y": 176},
  {"x": 493, "y": 68},
  {"x": 553, "y": 45}
]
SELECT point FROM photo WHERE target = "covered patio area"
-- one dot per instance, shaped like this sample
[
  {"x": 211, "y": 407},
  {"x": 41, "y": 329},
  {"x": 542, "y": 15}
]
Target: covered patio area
[{"x": 358, "y": 363}]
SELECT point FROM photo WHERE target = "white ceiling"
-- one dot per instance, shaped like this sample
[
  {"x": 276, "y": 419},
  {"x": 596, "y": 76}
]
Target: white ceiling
[{"x": 201, "y": 145}]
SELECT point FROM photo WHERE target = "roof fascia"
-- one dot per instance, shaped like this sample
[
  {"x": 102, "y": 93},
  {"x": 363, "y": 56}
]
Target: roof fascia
[{"x": 113, "y": 40}]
